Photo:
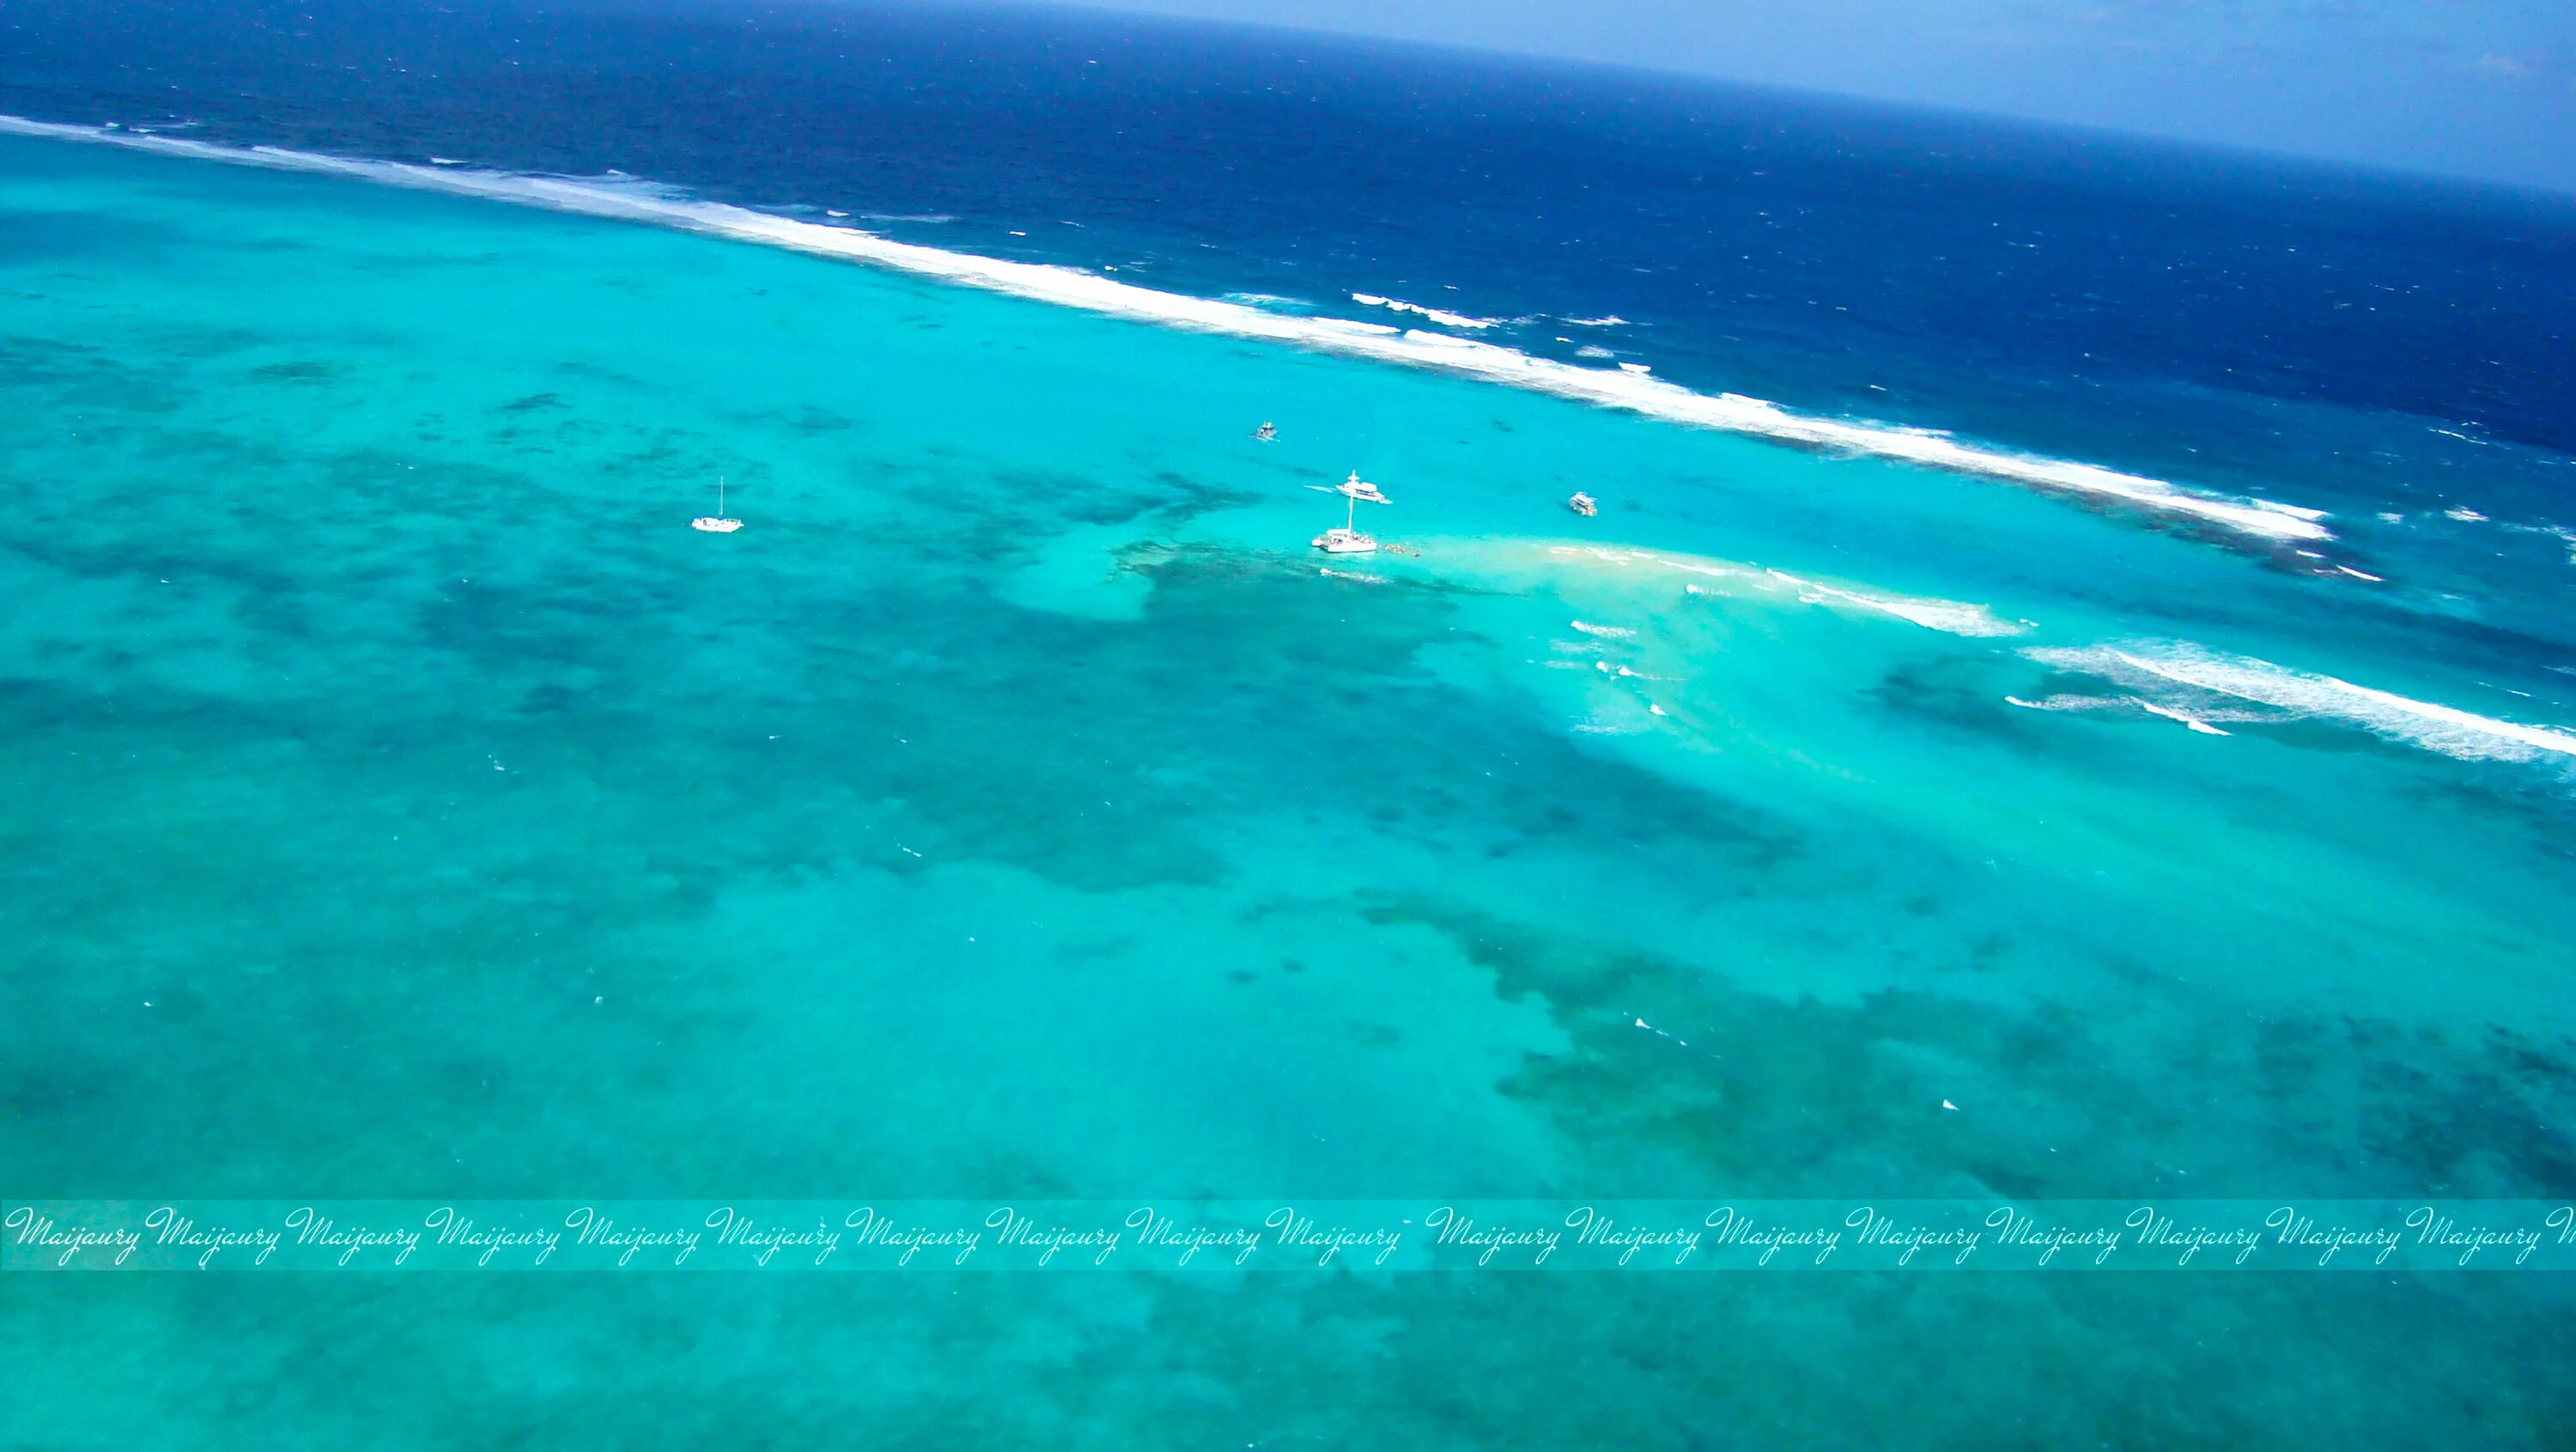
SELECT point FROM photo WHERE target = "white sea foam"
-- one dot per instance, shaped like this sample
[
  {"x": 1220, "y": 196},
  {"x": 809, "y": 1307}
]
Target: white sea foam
[
  {"x": 2063, "y": 703},
  {"x": 2464, "y": 515},
  {"x": 624, "y": 198},
  {"x": 1952, "y": 616},
  {"x": 2185, "y": 717},
  {"x": 2162, "y": 665},
  {"x": 1612, "y": 321},
  {"x": 2113, "y": 703},
  {"x": 1943, "y": 615},
  {"x": 2558, "y": 532},
  {"x": 1444, "y": 319}
]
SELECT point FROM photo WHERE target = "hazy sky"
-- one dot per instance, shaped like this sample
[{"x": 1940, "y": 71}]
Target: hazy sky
[{"x": 2469, "y": 87}]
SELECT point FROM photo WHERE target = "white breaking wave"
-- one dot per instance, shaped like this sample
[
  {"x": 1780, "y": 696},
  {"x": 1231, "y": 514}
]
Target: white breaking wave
[
  {"x": 2160, "y": 665},
  {"x": 2111, "y": 703},
  {"x": 1612, "y": 321},
  {"x": 626, "y": 199},
  {"x": 2185, "y": 717},
  {"x": 1952, "y": 616},
  {"x": 1444, "y": 319},
  {"x": 1944, "y": 615}
]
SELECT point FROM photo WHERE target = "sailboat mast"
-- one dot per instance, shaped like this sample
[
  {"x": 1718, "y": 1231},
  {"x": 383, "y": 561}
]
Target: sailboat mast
[{"x": 719, "y": 496}]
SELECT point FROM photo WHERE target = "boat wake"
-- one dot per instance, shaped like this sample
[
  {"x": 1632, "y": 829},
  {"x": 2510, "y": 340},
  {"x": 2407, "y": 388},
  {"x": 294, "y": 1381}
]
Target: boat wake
[{"x": 625, "y": 198}]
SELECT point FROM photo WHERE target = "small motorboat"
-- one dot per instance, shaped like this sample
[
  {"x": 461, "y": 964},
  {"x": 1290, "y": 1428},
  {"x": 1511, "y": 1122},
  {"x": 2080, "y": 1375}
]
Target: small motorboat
[
  {"x": 716, "y": 523},
  {"x": 1266, "y": 432},
  {"x": 1345, "y": 542},
  {"x": 1582, "y": 504}
]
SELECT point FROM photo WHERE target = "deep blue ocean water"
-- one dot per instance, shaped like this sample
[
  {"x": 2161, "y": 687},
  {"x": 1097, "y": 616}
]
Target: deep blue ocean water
[
  {"x": 402, "y": 801},
  {"x": 2356, "y": 342},
  {"x": 1990, "y": 277}
]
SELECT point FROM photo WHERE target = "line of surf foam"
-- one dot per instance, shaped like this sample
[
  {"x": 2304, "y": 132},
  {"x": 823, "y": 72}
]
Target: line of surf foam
[
  {"x": 627, "y": 199},
  {"x": 2446, "y": 729},
  {"x": 1951, "y": 617},
  {"x": 1943, "y": 615},
  {"x": 2110, "y": 703},
  {"x": 1443, "y": 318}
]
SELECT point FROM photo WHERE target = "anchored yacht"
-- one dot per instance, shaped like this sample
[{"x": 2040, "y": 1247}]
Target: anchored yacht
[{"x": 716, "y": 523}]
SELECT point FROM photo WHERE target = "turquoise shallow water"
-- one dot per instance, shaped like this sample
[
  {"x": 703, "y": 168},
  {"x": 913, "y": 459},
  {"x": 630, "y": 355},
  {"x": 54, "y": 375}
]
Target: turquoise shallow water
[{"x": 402, "y": 802}]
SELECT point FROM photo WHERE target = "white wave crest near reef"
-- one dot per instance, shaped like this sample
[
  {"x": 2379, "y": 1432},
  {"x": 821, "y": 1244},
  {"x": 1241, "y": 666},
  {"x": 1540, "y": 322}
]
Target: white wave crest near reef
[
  {"x": 626, "y": 198},
  {"x": 2158, "y": 668}
]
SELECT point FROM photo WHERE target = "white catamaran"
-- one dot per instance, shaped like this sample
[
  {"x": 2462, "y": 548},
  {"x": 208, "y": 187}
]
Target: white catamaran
[{"x": 1348, "y": 540}]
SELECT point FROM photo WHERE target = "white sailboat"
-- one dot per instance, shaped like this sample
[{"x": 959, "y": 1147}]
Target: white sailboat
[
  {"x": 1348, "y": 540},
  {"x": 716, "y": 523}
]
